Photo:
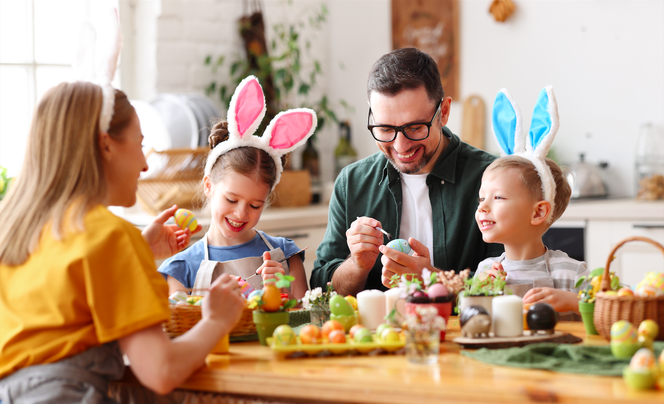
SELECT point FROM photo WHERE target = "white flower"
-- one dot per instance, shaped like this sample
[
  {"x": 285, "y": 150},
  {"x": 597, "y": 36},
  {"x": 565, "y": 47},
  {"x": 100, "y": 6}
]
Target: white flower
[
  {"x": 426, "y": 276},
  {"x": 333, "y": 293},
  {"x": 316, "y": 293}
]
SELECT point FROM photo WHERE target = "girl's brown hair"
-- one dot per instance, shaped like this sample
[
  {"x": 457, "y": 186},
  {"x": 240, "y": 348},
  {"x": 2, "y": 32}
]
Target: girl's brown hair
[
  {"x": 62, "y": 174},
  {"x": 533, "y": 183},
  {"x": 249, "y": 161}
]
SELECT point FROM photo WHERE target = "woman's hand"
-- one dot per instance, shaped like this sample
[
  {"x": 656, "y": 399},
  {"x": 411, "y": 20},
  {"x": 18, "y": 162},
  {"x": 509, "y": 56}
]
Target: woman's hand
[
  {"x": 269, "y": 267},
  {"x": 166, "y": 240}
]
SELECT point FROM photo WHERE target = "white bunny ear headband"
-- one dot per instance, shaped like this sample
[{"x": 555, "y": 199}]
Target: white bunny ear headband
[
  {"x": 508, "y": 130},
  {"x": 97, "y": 58},
  {"x": 286, "y": 132}
]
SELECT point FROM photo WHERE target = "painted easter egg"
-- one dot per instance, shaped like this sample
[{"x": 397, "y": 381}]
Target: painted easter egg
[
  {"x": 340, "y": 306},
  {"x": 648, "y": 328},
  {"x": 245, "y": 288},
  {"x": 642, "y": 361},
  {"x": 645, "y": 290},
  {"x": 185, "y": 219},
  {"x": 337, "y": 337},
  {"x": 284, "y": 335},
  {"x": 363, "y": 335},
  {"x": 623, "y": 332},
  {"x": 437, "y": 290},
  {"x": 257, "y": 292},
  {"x": 400, "y": 245}
]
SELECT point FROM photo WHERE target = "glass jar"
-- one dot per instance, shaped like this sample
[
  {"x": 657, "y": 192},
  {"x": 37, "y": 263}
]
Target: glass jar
[
  {"x": 423, "y": 345},
  {"x": 319, "y": 315},
  {"x": 649, "y": 163}
]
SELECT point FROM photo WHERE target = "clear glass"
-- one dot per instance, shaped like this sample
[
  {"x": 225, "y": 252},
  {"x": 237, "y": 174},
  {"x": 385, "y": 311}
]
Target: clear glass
[
  {"x": 649, "y": 163},
  {"x": 319, "y": 315},
  {"x": 344, "y": 153},
  {"x": 423, "y": 346}
]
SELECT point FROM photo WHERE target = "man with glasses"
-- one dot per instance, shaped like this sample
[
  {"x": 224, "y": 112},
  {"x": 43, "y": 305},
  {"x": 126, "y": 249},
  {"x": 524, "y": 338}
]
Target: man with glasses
[{"x": 422, "y": 186}]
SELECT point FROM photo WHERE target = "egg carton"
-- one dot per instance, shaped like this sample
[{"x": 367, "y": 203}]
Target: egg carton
[{"x": 351, "y": 347}]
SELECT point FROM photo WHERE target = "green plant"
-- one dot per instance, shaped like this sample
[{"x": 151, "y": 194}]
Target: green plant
[
  {"x": 288, "y": 80},
  {"x": 316, "y": 298},
  {"x": 488, "y": 286},
  {"x": 5, "y": 182},
  {"x": 281, "y": 281},
  {"x": 594, "y": 278}
]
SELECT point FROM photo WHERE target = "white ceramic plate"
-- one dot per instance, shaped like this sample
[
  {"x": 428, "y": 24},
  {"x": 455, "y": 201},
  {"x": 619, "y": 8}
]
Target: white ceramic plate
[
  {"x": 153, "y": 127},
  {"x": 179, "y": 119}
]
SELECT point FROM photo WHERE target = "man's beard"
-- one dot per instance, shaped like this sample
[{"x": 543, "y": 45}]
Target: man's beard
[{"x": 426, "y": 158}]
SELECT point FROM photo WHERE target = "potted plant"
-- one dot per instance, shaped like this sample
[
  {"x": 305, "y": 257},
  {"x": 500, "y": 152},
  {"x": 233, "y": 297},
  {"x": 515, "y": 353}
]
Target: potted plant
[
  {"x": 271, "y": 308},
  {"x": 480, "y": 290},
  {"x": 587, "y": 297},
  {"x": 318, "y": 303},
  {"x": 291, "y": 78},
  {"x": 427, "y": 290}
]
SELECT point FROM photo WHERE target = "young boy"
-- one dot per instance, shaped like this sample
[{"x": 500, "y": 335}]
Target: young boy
[{"x": 512, "y": 211}]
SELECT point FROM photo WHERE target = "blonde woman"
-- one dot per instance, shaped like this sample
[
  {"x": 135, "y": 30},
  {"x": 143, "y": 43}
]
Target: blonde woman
[{"x": 78, "y": 285}]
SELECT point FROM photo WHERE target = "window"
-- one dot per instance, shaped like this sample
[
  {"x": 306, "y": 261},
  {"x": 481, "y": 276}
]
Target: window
[{"x": 37, "y": 45}]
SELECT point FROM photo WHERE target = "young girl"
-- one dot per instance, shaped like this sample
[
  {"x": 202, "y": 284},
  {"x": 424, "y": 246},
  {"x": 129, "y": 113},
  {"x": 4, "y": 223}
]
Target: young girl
[
  {"x": 79, "y": 285},
  {"x": 240, "y": 174}
]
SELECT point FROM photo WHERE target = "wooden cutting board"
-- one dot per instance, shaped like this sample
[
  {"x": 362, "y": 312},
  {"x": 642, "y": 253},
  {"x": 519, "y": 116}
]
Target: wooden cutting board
[{"x": 472, "y": 131}]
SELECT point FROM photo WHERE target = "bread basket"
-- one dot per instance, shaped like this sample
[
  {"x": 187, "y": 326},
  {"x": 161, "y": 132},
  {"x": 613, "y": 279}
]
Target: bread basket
[
  {"x": 609, "y": 309},
  {"x": 184, "y": 317}
]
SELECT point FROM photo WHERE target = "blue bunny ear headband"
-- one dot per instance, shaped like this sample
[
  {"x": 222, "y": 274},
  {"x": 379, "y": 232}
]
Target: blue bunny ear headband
[{"x": 507, "y": 127}]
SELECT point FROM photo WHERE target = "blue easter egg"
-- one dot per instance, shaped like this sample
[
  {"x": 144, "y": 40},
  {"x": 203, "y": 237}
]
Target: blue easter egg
[
  {"x": 400, "y": 245},
  {"x": 257, "y": 292}
]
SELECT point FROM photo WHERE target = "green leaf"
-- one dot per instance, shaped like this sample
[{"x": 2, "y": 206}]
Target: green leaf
[
  {"x": 596, "y": 272},
  {"x": 208, "y": 59},
  {"x": 579, "y": 282},
  {"x": 304, "y": 89},
  {"x": 290, "y": 304},
  {"x": 615, "y": 283}
]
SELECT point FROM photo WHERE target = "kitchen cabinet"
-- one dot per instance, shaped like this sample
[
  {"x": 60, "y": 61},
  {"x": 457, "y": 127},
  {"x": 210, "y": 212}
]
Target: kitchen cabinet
[{"x": 608, "y": 222}]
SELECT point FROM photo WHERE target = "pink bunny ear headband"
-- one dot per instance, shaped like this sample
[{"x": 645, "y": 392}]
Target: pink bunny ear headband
[
  {"x": 286, "y": 132},
  {"x": 97, "y": 58},
  {"x": 508, "y": 130}
]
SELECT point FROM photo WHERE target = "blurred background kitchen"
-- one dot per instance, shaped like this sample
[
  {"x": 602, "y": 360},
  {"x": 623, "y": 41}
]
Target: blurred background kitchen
[{"x": 605, "y": 60}]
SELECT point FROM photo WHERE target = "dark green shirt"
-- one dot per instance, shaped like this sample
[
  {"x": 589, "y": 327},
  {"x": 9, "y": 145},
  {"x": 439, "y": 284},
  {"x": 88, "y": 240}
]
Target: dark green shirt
[{"x": 372, "y": 187}]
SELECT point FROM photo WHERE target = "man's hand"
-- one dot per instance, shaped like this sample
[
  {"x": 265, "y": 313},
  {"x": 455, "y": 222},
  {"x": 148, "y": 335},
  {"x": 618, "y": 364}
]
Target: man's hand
[
  {"x": 561, "y": 300},
  {"x": 166, "y": 240},
  {"x": 363, "y": 240},
  {"x": 397, "y": 263}
]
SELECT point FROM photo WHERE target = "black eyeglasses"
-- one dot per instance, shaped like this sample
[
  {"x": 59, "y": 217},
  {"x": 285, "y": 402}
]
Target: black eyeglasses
[{"x": 413, "y": 131}]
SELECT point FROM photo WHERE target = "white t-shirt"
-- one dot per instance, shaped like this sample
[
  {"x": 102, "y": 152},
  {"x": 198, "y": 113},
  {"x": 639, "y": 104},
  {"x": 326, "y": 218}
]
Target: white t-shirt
[{"x": 416, "y": 216}]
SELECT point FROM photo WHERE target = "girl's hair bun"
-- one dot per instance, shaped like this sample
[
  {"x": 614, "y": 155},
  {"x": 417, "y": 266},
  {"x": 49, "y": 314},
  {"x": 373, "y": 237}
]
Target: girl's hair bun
[{"x": 218, "y": 134}]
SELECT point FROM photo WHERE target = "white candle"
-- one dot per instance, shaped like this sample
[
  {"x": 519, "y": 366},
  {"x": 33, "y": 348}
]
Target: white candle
[
  {"x": 507, "y": 316},
  {"x": 392, "y": 298},
  {"x": 371, "y": 308}
]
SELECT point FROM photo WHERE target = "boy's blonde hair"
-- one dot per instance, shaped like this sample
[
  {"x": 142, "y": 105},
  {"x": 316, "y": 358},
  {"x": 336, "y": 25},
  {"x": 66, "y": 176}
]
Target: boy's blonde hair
[
  {"x": 533, "y": 183},
  {"x": 62, "y": 175}
]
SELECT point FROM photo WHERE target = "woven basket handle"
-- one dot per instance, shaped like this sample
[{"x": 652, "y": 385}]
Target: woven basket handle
[{"x": 606, "y": 279}]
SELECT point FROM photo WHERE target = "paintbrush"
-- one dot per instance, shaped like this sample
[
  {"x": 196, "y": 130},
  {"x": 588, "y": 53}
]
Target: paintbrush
[
  {"x": 280, "y": 261},
  {"x": 389, "y": 236}
]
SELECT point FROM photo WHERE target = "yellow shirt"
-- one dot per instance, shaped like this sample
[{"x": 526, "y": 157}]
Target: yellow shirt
[{"x": 90, "y": 288}]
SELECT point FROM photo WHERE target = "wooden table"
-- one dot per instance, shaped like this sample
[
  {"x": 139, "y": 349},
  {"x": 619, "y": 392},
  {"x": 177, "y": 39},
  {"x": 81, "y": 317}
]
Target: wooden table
[{"x": 254, "y": 370}]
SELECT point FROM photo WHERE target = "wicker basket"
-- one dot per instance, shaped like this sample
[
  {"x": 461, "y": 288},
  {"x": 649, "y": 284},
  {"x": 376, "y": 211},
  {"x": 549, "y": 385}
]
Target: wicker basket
[
  {"x": 609, "y": 309},
  {"x": 184, "y": 317},
  {"x": 173, "y": 178}
]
